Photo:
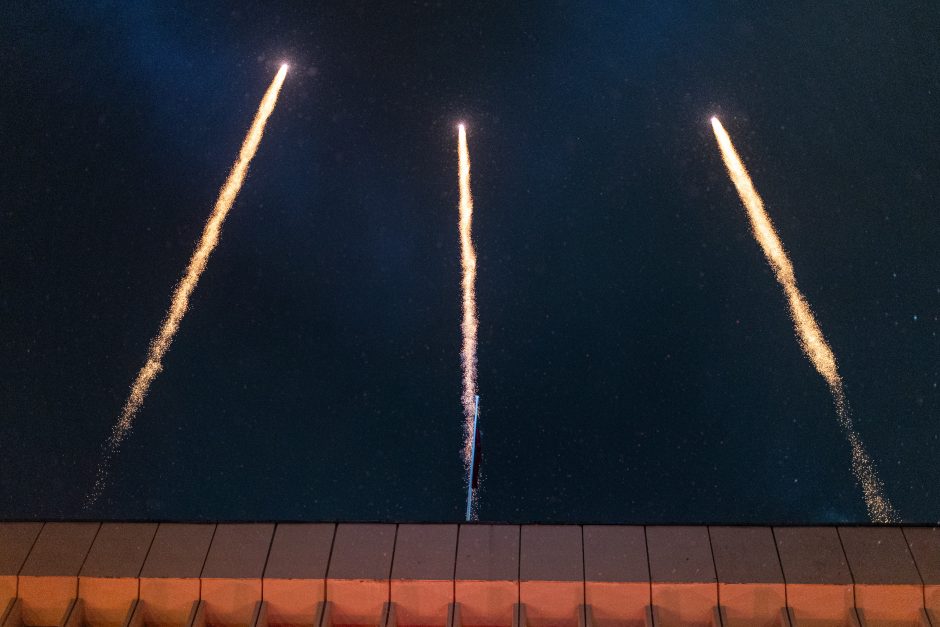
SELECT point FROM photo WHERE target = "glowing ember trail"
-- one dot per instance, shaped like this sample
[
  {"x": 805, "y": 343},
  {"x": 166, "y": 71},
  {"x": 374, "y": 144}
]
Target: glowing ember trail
[
  {"x": 180, "y": 301},
  {"x": 807, "y": 330},
  {"x": 468, "y": 261}
]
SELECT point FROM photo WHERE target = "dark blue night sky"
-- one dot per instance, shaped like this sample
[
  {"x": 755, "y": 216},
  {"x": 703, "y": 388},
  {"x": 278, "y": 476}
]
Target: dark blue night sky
[{"x": 637, "y": 362}]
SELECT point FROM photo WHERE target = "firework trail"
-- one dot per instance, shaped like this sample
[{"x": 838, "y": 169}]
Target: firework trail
[
  {"x": 180, "y": 302},
  {"x": 468, "y": 262},
  {"x": 473, "y": 473},
  {"x": 808, "y": 332}
]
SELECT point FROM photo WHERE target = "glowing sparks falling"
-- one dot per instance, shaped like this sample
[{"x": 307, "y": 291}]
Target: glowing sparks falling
[
  {"x": 183, "y": 291},
  {"x": 468, "y": 262},
  {"x": 810, "y": 336}
]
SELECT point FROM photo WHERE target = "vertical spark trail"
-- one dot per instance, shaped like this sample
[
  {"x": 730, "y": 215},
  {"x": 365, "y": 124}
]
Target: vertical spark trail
[
  {"x": 808, "y": 332},
  {"x": 468, "y": 262},
  {"x": 180, "y": 301}
]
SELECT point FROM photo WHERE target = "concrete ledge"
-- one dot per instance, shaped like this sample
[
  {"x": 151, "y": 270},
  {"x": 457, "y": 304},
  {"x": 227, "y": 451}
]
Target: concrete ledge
[
  {"x": 16, "y": 540},
  {"x": 819, "y": 584},
  {"x": 888, "y": 587},
  {"x": 357, "y": 584},
  {"x": 551, "y": 574},
  {"x": 109, "y": 581},
  {"x": 231, "y": 577},
  {"x": 682, "y": 572},
  {"x": 473, "y": 575},
  {"x": 169, "y": 580},
  {"x": 295, "y": 577},
  {"x": 616, "y": 574},
  {"x": 924, "y": 543},
  {"x": 487, "y": 574},
  {"x": 48, "y": 581},
  {"x": 750, "y": 580}
]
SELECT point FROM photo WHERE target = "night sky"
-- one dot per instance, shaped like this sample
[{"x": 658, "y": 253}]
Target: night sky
[{"x": 637, "y": 361}]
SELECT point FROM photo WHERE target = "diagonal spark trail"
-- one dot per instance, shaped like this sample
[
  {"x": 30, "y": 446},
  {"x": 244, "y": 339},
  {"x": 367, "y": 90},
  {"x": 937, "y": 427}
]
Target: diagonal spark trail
[
  {"x": 468, "y": 262},
  {"x": 808, "y": 332},
  {"x": 180, "y": 302}
]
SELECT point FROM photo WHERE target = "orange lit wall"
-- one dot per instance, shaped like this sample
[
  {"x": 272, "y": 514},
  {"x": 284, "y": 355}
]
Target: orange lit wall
[{"x": 476, "y": 575}]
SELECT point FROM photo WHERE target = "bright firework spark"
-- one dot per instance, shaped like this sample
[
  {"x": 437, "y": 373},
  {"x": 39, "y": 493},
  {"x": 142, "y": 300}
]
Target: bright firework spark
[
  {"x": 810, "y": 336},
  {"x": 468, "y": 262},
  {"x": 197, "y": 264}
]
